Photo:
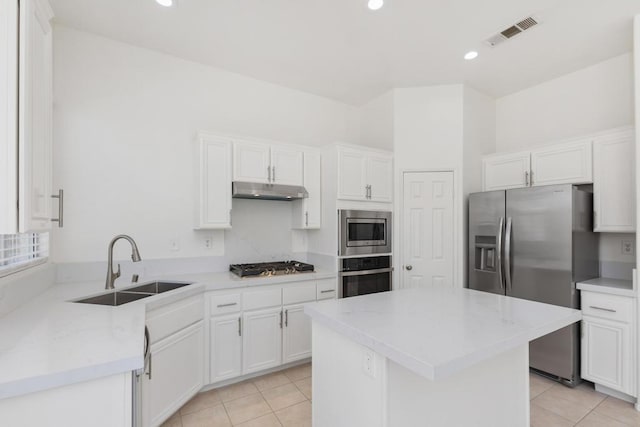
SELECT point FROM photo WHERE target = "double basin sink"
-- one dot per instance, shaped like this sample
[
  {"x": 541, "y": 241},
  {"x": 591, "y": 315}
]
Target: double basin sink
[{"x": 135, "y": 293}]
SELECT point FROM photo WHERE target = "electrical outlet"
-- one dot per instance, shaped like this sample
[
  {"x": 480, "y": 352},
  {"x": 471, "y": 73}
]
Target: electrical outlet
[
  {"x": 369, "y": 363},
  {"x": 627, "y": 247},
  {"x": 174, "y": 244},
  {"x": 208, "y": 242}
]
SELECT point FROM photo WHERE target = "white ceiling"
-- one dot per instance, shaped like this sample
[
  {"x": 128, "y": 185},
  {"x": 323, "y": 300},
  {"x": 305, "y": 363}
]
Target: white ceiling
[{"x": 342, "y": 50}]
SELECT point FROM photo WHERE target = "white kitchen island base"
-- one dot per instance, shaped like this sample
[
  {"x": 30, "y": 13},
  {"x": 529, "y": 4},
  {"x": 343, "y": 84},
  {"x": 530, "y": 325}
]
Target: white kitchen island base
[{"x": 492, "y": 393}]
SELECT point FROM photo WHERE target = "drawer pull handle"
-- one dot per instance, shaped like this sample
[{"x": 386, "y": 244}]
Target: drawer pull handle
[
  {"x": 610, "y": 310},
  {"x": 231, "y": 304},
  {"x": 327, "y": 291}
]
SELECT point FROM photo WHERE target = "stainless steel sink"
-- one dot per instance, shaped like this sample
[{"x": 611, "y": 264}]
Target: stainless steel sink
[
  {"x": 114, "y": 298},
  {"x": 157, "y": 287},
  {"x": 135, "y": 293}
]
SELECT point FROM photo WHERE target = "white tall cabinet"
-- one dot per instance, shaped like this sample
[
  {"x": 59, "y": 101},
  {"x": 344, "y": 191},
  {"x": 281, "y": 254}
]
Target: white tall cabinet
[{"x": 26, "y": 116}]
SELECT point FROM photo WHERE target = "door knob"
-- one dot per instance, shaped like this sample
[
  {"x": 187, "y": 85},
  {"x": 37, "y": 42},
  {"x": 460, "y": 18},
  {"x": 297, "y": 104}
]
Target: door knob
[{"x": 409, "y": 267}]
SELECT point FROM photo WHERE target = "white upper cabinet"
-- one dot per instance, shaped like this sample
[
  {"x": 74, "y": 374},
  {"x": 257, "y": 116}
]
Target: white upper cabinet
[
  {"x": 265, "y": 163},
  {"x": 8, "y": 115},
  {"x": 563, "y": 163},
  {"x": 251, "y": 162},
  {"x": 307, "y": 212},
  {"x": 380, "y": 178},
  {"x": 364, "y": 175},
  {"x": 504, "y": 171},
  {"x": 25, "y": 116},
  {"x": 213, "y": 199},
  {"x": 566, "y": 163},
  {"x": 614, "y": 181},
  {"x": 286, "y": 165},
  {"x": 352, "y": 174}
]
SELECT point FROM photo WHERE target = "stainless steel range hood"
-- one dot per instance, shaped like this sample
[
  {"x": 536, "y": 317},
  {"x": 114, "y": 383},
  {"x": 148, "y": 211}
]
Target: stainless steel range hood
[{"x": 255, "y": 190}]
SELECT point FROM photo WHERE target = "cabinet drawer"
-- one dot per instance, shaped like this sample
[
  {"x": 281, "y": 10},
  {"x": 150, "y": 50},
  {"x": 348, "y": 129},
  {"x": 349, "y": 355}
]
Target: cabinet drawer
[
  {"x": 225, "y": 303},
  {"x": 300, "y": 292},
  {"x": 174, "y": 317},
  {"x": 262, "y": 299},
  {"x": 605, "y": 306},
  {"x": 326, "y": 289}
]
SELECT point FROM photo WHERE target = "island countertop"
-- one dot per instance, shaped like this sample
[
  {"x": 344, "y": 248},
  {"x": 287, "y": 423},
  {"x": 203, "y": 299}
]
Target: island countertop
[{"x": 436, "y": 331}]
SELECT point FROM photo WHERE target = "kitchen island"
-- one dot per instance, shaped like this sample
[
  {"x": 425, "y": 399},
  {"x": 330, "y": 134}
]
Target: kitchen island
[{"x": 434, "y": 356}]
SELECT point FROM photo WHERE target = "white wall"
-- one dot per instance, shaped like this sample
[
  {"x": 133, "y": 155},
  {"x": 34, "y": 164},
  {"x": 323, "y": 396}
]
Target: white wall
[
  {"x": 376, "y": 122},
  {"x": 589, "y": 100},
  {"x": 124, "y": 122},
  {"x": 428, "y": 135}
]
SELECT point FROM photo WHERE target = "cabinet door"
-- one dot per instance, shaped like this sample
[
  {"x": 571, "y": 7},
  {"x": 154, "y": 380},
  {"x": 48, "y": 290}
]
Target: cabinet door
[
  {"x": 286, "y": 165},
  {"x": 380, "y": 178},
  {"x": 566, "y": 163},
  {"x": 251, "y": 162},
  {"x": 261, "y": 339},
  {"x": 8, "y": 116},
  {"x": 504, "y": 171},
  {"x": 296, "y": 335},
  {"x": 614, "y": 182},
  {"x": 213, "y": 201},
  {"x": 352, "y": 175},
  {"x": 174, "y": 374},
  {"x": 225, "y": 347},
  {"x": 606, "y": 353},
  {"x": 307, "y": 212},
  {"x": 35, "y": 117}
]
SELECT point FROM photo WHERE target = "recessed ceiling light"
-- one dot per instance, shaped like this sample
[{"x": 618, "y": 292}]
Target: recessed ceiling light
[
  {"x": 470, "y": 55},
  {"x": 375, "y": 4},
  {"x": 165, "y": 3}
]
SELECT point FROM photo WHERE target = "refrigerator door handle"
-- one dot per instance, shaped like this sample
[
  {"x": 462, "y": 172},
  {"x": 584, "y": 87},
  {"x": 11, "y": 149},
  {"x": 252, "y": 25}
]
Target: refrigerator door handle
[
  {"x": 507, "y": 255},
  {"x": 499, "y": 253}
]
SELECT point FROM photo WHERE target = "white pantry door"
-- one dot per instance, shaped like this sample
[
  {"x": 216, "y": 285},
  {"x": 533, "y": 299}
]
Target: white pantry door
[{"x": 427, "y": 234}]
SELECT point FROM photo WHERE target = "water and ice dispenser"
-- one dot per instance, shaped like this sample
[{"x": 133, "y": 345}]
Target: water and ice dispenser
[{"x": 486, "y": 258}]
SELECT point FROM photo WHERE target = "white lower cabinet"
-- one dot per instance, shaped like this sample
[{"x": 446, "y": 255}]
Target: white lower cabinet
[
  {"x": 225, "y": 347},
  {"x": 261, "y": 340},
  {"x": 174, "y": 374},
  {"x": 606, "y": 353},
  {"x": 296, "y": 334},
  {"x": 607, "y": 345}
]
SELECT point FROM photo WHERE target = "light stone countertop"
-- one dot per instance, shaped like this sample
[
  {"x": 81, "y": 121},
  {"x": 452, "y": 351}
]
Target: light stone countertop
[
  {"x": 608, "y": 286},
  {"x": 437, "y": 331},
  {"x": 51, "y": 341}
]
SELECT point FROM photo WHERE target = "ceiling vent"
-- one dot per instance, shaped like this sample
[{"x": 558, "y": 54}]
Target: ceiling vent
[{"x": 512, "y": 31}]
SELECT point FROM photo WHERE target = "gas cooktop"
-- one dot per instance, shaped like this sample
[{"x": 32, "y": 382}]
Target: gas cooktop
[{"x": 271, "y": 268}]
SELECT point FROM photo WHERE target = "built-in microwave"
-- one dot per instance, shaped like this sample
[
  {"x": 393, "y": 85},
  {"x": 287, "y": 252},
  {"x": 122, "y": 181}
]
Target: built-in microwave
[{"x": 364, "y": 232}]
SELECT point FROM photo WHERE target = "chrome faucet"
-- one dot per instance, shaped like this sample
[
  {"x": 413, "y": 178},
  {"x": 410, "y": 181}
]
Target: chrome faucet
[{"x": 135, "y": 256}]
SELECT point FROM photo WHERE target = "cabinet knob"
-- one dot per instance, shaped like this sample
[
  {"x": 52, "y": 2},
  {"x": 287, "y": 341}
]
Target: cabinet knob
[{"x": 409, "y": 267}]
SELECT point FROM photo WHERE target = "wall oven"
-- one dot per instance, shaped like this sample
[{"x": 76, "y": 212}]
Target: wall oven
[
  {"x": 366, "y": 275},
  {"x": 364, "y": 232}
]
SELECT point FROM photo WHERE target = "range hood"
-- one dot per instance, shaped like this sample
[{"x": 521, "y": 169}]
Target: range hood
[{"x": 255, "y": 190}]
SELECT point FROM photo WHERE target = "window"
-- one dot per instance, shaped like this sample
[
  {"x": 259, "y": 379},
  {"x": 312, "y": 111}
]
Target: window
[{"x": 20, "y": 251}]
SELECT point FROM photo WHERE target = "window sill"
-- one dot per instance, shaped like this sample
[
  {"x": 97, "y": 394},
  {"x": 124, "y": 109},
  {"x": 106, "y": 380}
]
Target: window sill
[{"x": 22, "y": 267}]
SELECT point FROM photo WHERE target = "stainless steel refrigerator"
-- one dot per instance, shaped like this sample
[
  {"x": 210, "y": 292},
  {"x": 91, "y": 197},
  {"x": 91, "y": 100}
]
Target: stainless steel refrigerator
[{"x": 535, "y": 244}]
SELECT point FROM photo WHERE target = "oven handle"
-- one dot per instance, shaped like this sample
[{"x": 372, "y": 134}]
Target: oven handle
[{"x": 364, "y": 272}]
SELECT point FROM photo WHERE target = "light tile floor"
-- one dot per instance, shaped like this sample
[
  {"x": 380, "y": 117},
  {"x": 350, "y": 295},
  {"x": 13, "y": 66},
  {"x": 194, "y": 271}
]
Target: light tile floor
[
  {"x": 284, "y": 399},
  {"x": 277, "y": 399},
  {"x": 554, "y": 405}
]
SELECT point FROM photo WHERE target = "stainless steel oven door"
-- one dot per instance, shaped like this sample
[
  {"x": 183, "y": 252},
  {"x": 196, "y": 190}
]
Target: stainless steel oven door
[
  {"x": 364, "y": 232},
  {"x": 354, "y": 283}
]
